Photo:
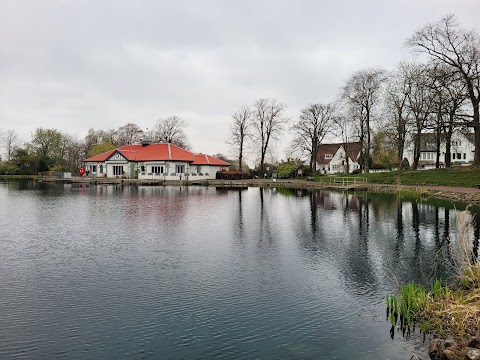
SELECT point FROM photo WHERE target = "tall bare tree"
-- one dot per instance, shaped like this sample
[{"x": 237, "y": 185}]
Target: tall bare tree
[
  {"x": 446, "y": 41},
  {"x": 343, "y": 128},
  {"x": 362, "y": 92},
  {"x": 450, "y": 94},
  {"x": 240, "y": 132},
  {"x": 268, "y": 123},
  {"x": 171, "y": 130},
  {"x": 420, "y": 101},
  {"x": 313, "y": 124},
  {"x": 396, "y": 95}
]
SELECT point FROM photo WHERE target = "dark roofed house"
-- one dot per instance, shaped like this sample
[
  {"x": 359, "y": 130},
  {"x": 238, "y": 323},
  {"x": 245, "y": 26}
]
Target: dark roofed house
[{"x": 332, "y": 158}]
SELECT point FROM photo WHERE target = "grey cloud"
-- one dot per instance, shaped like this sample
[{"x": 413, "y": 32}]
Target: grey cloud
[{"x": 73, "y": 65}]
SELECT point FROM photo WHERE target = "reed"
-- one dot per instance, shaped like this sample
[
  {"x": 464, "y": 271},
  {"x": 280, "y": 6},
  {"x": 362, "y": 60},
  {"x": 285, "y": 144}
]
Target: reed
[{"x": 441, "y": 310}]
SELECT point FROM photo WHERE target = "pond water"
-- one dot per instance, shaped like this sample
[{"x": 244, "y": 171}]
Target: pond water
[{"x": 117, "y": 272}]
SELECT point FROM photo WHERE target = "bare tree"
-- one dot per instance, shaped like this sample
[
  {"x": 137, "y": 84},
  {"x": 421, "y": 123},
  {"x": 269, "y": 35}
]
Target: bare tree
[
  {"x": 362, "y": 92},
  {"x": 420, "y": 101},
  {"x": 396, "y": 95},
  {"x": 313, "y": 124},
  {"x": 171, "y": 130},
  {"x": 343, "y": 128},
  {"x": 450, "y": 94},
  {"x": 240, "y": 132},
  {"x": 268, "y": 123},
  {"x": 447, "y": 42},
  {"x": 10, "y": 142},
  {"x": 129, "y": 134}
]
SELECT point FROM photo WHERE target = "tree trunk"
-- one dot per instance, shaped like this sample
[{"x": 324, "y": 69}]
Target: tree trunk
[
  {"x": 313, "y": 159},
  {"x": 416, "y": 151},
  {"x": 367, "y": 158},
  {"x": 240, "y": 156},
  {"x": 347, "y": 163},
  {"x": 437, "y": 160},
  {"x": 448, "y": 150},
  {"x": 400, "y": 144},
  {"x": 362, "y": 150},
  {"x": 476, "y": 123}
]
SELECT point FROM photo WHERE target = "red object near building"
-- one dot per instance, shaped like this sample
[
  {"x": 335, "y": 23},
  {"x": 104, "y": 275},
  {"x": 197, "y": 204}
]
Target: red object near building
[{"x": 82, "y": 171}]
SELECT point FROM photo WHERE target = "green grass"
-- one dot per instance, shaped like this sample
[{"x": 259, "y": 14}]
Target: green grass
[{"x": 462, "y": 176}]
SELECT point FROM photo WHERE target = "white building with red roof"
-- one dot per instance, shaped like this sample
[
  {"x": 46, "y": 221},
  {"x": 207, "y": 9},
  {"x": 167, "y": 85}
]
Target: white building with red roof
[
  {"x": 332, "y": 158},
  {"x": 154, "y": 162}
]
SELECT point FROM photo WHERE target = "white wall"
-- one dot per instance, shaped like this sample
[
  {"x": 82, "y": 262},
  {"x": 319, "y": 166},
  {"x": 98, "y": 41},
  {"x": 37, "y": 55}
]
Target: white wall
[{"x": 464, "y": 147}]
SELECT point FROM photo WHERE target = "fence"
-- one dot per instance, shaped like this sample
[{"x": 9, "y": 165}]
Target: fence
[{"x": 345, "y": 181}]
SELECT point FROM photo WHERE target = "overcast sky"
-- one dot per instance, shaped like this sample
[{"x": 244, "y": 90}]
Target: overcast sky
[{"x": 79, "y": 64}]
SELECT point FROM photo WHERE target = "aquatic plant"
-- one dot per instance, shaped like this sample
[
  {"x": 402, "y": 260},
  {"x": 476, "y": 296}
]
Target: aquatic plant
[{"x": 442, "y": 310}]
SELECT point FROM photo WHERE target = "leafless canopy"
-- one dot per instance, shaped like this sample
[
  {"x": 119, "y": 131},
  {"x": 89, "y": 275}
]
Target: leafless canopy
[
  {"x": 268, "y": 123},
  {"x": 129, "y": 134},
  {"x": 446, "y": 42},
  {"x": 10, "y": 142},
  {"x": 171, "y": 130},
  {"x": 240, "y": 132},
  {"x": 362, "y": 92},
  {"x": 313, "y": 124}
]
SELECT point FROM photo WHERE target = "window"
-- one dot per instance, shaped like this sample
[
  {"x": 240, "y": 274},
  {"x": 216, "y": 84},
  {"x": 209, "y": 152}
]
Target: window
[
  {"x": 157, "y": 169},
  {"x": 453, "y": 156},
  {"x": 117, "y": 170},
  {"x": 93, "y": 168},
  {"x": 459, "y": 156},
  {"x": 199, "y": 169},
  {"x": 101, "y": 169},
  {"x": 427, "y": 156},
  {"x": 180, "y": 169},
  {"x": 328, "y": 156},
  {"x": 464, "y": 156}
]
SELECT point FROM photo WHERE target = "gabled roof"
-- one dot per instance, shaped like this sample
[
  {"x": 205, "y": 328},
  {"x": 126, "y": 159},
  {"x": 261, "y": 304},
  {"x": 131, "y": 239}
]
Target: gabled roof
[
  {"x": 428, "y": 141},
  {"x": 202, "y": 159},
  {"x": 101, "y": 157},
  {"x": 158, "y": 152},
  {"x": 353, "y": 150}
]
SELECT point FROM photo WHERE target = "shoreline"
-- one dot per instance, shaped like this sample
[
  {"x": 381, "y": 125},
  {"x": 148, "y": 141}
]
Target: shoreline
[{"x": 462, "y": 195}]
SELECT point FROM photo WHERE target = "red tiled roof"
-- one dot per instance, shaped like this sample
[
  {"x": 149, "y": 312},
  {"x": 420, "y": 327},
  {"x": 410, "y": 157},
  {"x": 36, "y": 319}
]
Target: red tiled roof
[
  {"x": 161, "y": 152},
  {"x": 100, "y": 157},
  {"x": 202, "y": 159},
  {"x": 353, "y": 150}
]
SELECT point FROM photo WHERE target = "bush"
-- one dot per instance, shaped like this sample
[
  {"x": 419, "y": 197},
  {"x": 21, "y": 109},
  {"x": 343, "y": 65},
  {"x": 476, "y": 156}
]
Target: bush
[
  {"x": 286, "y": 170},
  {"x": 232, "y": 175},
  {"x": 8, "y": 169}
]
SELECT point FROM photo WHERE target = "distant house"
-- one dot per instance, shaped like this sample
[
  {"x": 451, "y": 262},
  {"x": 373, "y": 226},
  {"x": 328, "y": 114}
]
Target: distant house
[
  {"x": 462, "y": 150},
  {"x": 332, "y": 158},
  {"x": 155, "y": 162}
]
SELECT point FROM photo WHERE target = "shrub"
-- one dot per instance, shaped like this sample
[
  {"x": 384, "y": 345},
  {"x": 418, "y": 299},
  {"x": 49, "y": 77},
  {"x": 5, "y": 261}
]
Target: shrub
[
  {"x": 232, "y": 175},
  {"x": 286, "y": 170},
  {"x": 6, "y": 169}
]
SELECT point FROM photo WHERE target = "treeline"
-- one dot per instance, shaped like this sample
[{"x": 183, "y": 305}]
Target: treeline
[
  {"x": 386, "y": 111},
  {"x": 53, "y": 150}
]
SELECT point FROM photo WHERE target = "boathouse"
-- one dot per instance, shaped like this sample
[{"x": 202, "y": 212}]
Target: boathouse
[{"x": 154, "y": 162}]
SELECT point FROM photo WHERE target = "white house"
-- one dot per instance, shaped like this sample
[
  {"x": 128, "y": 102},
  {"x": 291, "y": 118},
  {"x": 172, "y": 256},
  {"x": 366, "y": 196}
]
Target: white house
[
  {"x": 154, "y": 162},
  {"x": 332, "y": 158},
  {"x": 462, "y": 150}
]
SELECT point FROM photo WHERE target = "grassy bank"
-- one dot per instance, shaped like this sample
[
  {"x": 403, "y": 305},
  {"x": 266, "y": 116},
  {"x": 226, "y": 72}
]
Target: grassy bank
[
  {"x": 461, "y": 176},
  {"x": 444, "y": 311}
]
